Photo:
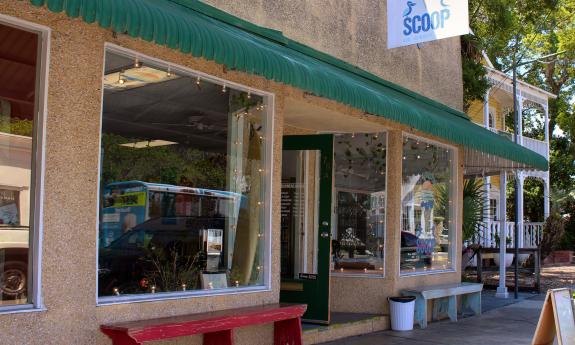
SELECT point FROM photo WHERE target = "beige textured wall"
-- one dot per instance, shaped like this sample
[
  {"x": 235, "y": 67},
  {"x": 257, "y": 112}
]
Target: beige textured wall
[
  {"x": 356, "y": 31},
  {"x": 72, "y": 143},
  {"x": 71, "y": 183}
]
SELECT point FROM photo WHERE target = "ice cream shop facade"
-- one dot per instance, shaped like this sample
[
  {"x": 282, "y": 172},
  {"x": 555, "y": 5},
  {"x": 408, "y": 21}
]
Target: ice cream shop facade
[{"x": 168, "y": 158}]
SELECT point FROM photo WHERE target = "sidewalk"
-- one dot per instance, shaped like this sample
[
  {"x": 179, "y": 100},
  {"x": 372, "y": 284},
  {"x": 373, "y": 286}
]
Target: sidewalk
[{"x": 509, "y": 325}]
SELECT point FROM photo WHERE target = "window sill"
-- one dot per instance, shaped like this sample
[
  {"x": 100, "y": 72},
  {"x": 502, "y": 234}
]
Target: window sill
[
  {"x": 424, "y": 273},
  {"x": 167, "y": 296},
  {"x": 356, "y": 275},
  {"x": 21, "y": 308}
]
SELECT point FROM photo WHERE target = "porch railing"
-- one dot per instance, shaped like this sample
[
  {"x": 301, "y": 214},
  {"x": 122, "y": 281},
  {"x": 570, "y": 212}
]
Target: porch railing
[
  {"x": 529, "y": 237},
  {"x": 537, "y": 146}
]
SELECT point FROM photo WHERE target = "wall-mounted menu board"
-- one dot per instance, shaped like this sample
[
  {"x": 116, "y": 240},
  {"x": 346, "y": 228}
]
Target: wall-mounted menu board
[{"x": 556, "y": 319}]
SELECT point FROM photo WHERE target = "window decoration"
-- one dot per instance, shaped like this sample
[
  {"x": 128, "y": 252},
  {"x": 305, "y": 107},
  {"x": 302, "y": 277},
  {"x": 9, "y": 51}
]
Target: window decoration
[
  {"x": 428, "y": 230},
  {"x": 360, "y": 181},
  {"x": 183, "y": 182}
]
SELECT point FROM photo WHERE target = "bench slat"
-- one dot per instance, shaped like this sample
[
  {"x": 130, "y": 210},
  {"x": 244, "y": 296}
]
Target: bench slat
[
  {"x": 178, "y": 326},
  {"x": 440, "y": 291}
]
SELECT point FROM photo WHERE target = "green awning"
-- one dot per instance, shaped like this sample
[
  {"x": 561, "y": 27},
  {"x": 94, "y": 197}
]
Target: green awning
[{"x": 204, "y": 31}]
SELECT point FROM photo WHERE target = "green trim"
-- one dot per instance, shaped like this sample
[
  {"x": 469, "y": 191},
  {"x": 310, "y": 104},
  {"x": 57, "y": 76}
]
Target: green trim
[{"x": 204, "y": 31}]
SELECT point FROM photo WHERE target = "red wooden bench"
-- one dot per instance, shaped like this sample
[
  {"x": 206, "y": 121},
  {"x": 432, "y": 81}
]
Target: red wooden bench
[{"x": 217, "y": 326}]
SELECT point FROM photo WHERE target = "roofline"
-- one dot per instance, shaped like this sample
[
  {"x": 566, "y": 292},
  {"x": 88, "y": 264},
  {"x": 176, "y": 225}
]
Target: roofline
[{"x": 523, "y": 83}]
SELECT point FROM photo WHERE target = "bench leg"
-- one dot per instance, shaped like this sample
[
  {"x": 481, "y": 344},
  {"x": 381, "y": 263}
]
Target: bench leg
[
  {"x": 219, "y": 338},
  {"x": 421, "y": 312},
  {"x": 452, "y": 308},
  {"x": 119, "y": 338},
  {"x": 472, "y": 301},
  {"x": 287, "y": 332}
]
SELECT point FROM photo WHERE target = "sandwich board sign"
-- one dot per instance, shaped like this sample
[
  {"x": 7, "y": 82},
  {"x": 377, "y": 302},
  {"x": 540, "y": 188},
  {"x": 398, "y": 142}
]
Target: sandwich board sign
[
  {"x": 415, "y": 21},
  {"x": 556, "y": 319}
]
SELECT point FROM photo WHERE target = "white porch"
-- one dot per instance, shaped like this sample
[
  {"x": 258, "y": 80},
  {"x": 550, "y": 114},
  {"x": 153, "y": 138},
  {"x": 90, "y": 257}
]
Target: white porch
[{"x": 529, "y": 236}]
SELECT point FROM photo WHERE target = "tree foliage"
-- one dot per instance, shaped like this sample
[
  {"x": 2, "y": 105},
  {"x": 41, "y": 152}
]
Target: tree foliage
[{"x": 516, "y": 31}]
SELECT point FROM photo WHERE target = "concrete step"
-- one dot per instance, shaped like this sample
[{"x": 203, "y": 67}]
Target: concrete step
[{"x": 345, "y": 325}]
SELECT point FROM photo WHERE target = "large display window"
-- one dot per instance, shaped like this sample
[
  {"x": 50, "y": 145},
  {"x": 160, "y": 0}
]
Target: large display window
[
  {"x": 427, "y": 209},
  {"x": 22, "y": 78},
  {"x": 184, "y": 183},
  {"x": 360, "y": 199}
]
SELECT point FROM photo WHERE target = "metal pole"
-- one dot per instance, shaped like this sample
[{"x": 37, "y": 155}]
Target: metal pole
[{"x": 516, "y": 140}]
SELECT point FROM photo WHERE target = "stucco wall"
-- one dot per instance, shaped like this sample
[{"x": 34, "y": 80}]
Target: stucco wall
[
  {"x": 356, "y": 31},
  {"x": 71, "y": 169},
  {"x": 71, "y": 183}
]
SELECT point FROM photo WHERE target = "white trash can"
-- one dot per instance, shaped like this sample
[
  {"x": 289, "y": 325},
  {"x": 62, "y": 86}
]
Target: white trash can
[{"x": 401, "y": 310}]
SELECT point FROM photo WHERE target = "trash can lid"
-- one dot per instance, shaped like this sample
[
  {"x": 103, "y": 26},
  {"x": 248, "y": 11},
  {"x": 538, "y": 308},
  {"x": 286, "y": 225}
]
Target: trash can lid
[{"x": 402, "y": 299}]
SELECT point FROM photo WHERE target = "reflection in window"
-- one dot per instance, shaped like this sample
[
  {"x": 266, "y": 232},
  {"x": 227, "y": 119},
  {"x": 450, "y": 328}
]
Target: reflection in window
[
  {"x": 360, "y": 178},
  {"x": 182, "y": 182},
  {"x": 427, "y": 192},
  {"x": 18, "y": 73}
]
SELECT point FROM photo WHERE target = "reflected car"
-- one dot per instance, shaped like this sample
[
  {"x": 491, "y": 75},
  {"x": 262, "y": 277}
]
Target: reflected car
[
  {"x": 14, "y": 263},
  {"x": 130, "y": 263}
]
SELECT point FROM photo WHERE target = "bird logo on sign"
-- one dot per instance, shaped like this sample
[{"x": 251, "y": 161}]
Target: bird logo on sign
[{"x": 409, "y": 8}]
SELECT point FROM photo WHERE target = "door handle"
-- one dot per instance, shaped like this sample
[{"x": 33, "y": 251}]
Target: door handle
[{"x": 324, "y": 234}]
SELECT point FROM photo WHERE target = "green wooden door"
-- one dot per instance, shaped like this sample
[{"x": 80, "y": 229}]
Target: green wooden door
[{"x": 306, "y": 223}]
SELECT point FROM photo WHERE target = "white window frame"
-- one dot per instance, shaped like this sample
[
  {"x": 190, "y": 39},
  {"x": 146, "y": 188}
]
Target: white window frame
[
  {"x": 370, "y": 275},
  {"x": 453, "y": 210},
  {"x": 269, "y": 106},
  {"x": 34, "y": 275}
]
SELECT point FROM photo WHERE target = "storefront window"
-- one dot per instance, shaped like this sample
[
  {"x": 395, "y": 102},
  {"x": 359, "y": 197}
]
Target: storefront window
[
  {"x": 184, "y": 182},
  {"x": 427, "y": 192},
  {"x": 360, "y": 179},
  {"x": 19, "y": 70}
]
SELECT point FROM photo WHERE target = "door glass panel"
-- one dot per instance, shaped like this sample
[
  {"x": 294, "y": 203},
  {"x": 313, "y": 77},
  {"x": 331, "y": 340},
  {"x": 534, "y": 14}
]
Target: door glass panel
[{"x": 298, "y": 210}]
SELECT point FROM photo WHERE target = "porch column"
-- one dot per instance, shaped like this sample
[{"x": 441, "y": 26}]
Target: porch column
[
  {"x": 546, "y": 110},
  {"x": 520, "y": 122},
  {"x": 502, "y": 289},
  {"x": 487, "y": 207},
  {"x": 519, "y": 196},
  {"x": 546, "y": 199},
  {"x": 546, "y": 187},
  {"x": 486, "y": 109}
]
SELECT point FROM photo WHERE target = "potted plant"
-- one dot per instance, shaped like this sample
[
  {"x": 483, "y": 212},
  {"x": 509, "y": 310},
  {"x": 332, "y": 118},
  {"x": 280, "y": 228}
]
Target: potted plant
[{"x": 508, "y": 256}]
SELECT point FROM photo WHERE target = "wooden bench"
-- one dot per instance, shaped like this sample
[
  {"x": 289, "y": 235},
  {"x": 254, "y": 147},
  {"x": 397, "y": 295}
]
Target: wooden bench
[
  {"x": 217, "y": 326},
  {"x": 445, "y": 300}
]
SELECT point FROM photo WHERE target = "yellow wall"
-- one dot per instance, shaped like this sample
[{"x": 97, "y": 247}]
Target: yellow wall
[{"x": 475, "y": 112}]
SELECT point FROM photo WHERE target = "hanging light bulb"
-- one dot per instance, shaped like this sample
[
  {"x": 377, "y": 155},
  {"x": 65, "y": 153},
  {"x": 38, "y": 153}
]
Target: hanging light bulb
[
  {"x": 121, "y": 79},
  {"x": 198, "y": 81},
  {"x": 249, "y": 95},
  {"x": 169, "y": 73},
  {"x": 137, "y": 63},
  {"x": 224, "y": 88}
]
